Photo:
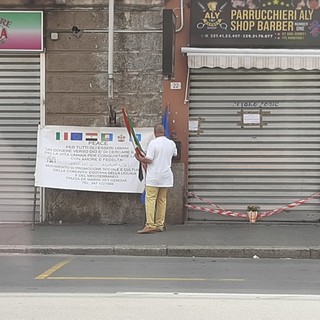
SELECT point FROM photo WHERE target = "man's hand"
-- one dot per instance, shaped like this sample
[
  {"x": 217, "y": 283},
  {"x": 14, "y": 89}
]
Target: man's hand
[
  {"x": 139, "y": 157},
  {"x": 142, "y": 158}
]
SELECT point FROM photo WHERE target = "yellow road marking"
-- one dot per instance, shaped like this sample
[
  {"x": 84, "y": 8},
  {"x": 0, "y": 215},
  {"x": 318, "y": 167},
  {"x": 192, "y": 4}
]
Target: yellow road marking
[
  {"x": 53, "y": 269},
  {"x": 140, "y": 279}
]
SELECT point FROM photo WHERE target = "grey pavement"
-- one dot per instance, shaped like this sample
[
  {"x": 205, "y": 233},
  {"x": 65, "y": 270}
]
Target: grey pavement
[{"x": 227, "y": 240}]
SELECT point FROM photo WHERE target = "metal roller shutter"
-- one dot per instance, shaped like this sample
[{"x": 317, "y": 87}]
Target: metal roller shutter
[
  {"x": 272, "y": 166},
  {"x": 19, "y": 119}
]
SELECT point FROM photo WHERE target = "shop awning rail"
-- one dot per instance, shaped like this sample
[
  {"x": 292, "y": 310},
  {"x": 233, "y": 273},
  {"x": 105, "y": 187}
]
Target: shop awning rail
[{"x": 296, "y": 59}]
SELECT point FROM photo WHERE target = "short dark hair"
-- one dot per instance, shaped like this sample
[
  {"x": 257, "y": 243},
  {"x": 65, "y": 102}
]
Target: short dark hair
[{"x": 159, "y": 128}]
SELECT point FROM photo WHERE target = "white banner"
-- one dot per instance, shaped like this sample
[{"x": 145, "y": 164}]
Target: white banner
[{"x": 91, "y": 159}]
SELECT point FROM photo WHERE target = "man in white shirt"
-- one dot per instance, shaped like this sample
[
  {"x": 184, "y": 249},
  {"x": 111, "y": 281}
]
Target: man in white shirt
[{"x": 158, "y": 179}]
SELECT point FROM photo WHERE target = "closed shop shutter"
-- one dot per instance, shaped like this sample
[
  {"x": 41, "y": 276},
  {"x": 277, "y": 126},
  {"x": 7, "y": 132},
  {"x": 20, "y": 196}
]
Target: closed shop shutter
[
  {"x": 233, "y": 164},
  {"x": 20, "y": 116}
]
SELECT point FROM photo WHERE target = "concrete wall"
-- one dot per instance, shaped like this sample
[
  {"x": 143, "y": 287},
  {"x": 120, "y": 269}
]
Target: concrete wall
[
  {"x": 76, "y": 90},
  {"x": 76, "y": 94},
  {"x": 76, "y": 68}
]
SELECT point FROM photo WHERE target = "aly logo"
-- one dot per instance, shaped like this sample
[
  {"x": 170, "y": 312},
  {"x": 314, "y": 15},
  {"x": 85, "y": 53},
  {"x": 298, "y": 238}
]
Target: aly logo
[
  {"x": 212, "y": 14},
  {"x": 4, "y": 25}
]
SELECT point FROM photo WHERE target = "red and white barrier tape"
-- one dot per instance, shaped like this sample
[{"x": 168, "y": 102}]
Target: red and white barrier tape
[
  {"x": 289, "y": 206},
  {"x": 224, "y": 212},
  {"x": 219, "y": 210}
]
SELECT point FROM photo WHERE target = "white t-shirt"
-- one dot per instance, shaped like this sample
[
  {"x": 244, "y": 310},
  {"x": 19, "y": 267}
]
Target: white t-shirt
[{"x": 160, "y": 151}]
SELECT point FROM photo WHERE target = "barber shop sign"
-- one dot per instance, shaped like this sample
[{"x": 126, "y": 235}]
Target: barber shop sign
[{"x": 21, "y": 31}]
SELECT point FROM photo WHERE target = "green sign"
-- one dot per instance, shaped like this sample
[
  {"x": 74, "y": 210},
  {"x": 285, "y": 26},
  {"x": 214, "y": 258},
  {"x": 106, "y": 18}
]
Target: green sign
[{"x": 21, "y": 31}]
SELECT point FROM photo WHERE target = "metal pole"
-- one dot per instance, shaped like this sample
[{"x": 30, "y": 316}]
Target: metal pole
[
  {"x": 110, "y": 49},
  {"x": 34, "y": 207},
  {"x": 181, "y": 16}
]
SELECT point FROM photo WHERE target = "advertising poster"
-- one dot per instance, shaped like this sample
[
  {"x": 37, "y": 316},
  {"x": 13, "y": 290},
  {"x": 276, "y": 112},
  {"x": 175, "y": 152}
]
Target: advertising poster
[
  {"x": 21, "y": 31},
  {"x": 91, "y": 159},
  {"x": 255, "y": 23}
]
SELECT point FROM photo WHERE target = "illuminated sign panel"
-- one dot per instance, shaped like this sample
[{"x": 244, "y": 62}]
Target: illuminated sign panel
[
  {"x": 21, "y": 31},
  {"x": 255, "y": 23}
]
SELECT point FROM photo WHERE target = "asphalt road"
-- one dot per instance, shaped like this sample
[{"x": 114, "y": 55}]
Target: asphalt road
[
  {"x": 118, "y": 274},
  {"x": 37, "y": 287}
]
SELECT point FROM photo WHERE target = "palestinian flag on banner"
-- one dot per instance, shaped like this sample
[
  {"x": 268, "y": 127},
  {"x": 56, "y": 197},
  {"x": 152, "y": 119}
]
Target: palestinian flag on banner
[
  {"x": 132, "y": 135},
  {"x": 135, "y": 141}
]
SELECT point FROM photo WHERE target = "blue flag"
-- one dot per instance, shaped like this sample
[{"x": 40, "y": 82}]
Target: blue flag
[
  {"x": 165, "y": 122},
  {"x": 143, "y": 197}
]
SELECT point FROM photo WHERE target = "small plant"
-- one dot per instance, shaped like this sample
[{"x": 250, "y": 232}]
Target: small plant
[
  {"x": 252, "y": 212},
  {"x": 253, "y": 208}
]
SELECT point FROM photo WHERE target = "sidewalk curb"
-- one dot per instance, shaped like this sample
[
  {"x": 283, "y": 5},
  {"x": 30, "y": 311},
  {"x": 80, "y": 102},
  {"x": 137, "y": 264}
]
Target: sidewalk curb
[{"x": 171, "y": 250}]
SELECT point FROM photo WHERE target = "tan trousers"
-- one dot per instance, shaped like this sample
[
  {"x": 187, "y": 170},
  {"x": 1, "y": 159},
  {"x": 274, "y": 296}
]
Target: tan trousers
[{"x": 156, "y": 203}]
